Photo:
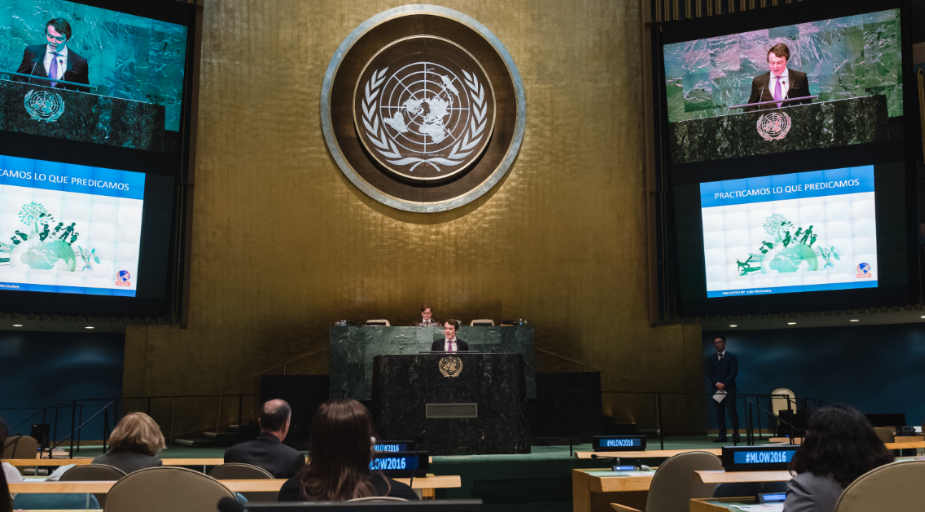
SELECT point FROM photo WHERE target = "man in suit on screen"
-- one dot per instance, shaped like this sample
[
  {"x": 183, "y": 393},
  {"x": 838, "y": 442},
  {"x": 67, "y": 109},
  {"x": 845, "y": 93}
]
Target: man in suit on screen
[
  {"x": 779, "y": 83},
  {"x": 54, "y": 60},
  {"x": 721, "y": 370},
  {"x": 449, "y": 343}
]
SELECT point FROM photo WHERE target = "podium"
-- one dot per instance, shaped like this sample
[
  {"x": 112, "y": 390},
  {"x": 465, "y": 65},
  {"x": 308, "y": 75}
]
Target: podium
[
  {"x": 817, "y": 125},
  {"x": 83, "y": 117},
  {"x": 452, "y": 404}
]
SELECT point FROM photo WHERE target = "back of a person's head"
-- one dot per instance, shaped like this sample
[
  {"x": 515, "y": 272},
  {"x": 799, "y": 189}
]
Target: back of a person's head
[
  {"x": 138, "y": 433},
  {"x": 840, "y": 442},
  {"x": 6, "y": 501},
  {"x": 274, "y": 414},
  {"x": 340, "y": 451}
]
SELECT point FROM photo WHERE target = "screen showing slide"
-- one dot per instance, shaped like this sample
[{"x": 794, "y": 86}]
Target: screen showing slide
[
  {"x": 69, "y": 228},
  {"x": 77, "y": 72},
  {"x": 825, "y": 83},
  {"x": 803, "y": 232}
]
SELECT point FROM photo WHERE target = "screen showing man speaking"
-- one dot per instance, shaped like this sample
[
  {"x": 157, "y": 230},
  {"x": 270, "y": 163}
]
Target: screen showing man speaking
[
  {"x": 77, "y": 72},
  {"x": 813, "y": 85},
  {"x": 69, "y": 228},
  {"x": 808, "y": 231}
]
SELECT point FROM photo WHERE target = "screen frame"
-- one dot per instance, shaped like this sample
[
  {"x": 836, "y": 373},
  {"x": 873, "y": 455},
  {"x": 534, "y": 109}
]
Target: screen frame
[{"x": 904, "y": 151}]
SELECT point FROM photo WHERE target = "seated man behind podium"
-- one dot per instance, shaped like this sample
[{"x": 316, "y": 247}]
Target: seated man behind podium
[
  {"x": 779, "y": 83},
  {"x": 55, "y": 60},
  {"x": 427, "y": 317},
  {"x": 450, "y": 343},
  {"x": 268, "y": 450}
]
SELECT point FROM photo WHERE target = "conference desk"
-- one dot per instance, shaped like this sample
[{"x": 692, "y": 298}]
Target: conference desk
[
  {"x": 593, "y": 490},
  {"x": 47, "y": 463},
  {"x": 103, "y": 487},
  {"x": 719, "y": 504},
  {"x": 647, "y": 454}
]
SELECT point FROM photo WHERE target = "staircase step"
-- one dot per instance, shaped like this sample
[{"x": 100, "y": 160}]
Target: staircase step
[
  {"x": 217, "y": 435},
  {"x": 195, "y": 443}
]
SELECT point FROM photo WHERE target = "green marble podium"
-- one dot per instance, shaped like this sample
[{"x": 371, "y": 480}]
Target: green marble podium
[
  {"x": 85, "y": 117},
  {"x": 818, "y": 125},
  {"x": 352, "y": 351}
]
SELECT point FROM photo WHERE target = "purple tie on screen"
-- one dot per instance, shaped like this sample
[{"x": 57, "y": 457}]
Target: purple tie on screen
[
  {"x": 777, "y": 94},
  {"x": 53, "y": 72}
]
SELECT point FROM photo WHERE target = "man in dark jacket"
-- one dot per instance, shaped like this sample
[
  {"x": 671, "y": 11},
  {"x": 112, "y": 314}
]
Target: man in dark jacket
[
  {"x": 721, "y": 370},
  {"x": 268, "y": 450},
  {"x": 54, "y": 62}
]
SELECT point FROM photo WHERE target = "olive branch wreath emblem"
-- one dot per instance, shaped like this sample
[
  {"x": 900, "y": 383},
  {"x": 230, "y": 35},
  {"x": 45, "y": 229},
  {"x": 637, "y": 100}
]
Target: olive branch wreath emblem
[{"x": 387, "y": 147}]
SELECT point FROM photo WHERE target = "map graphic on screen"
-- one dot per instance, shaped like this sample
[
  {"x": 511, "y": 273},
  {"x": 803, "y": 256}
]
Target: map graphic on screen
[
  {"x": 808, "y": 231},
  {"x": 77, "y": 72},
  {"x": 69, "y": 228}
]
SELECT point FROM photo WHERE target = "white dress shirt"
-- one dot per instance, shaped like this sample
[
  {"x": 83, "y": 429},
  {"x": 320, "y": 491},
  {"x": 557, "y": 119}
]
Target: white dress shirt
[
  {"x": 450, "y": 345},
  {"x": 62, "y": 62},
  {"x": 784, "y": 84},
  {"x": 723, "y": 353},
  {"x": 12, "y": 476}
]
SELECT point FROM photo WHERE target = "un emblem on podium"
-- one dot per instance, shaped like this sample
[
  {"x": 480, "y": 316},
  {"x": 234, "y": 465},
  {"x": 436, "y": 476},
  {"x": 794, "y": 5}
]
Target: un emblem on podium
[
  {"x": 44, "y": 105},
  {"x": 773, "y": 126},
  {"x": 451, "y": 366}
]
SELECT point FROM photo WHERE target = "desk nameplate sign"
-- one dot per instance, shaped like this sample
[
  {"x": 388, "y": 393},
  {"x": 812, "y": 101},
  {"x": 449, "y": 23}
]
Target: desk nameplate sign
[
  {"x": 758, "y": 458},
  {"x": 619, "y": 443}
]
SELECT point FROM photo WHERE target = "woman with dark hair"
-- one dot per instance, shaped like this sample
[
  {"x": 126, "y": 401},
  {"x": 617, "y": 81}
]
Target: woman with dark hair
[
  {"x": 6, "y": 501},
  {"x": 840, "y": 445},
  {"x": 340, "y": 452}
]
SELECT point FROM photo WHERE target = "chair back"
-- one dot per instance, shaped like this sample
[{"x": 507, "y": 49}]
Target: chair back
[
  {"x": 379, "y": 321},
  {"x": 93, "y": 473},
  {"x": 55, "y": 501},
  {"x": 379, "y": 498},
  {"x": 239, "y": 471},
  {"x": 884, "y": 433},
  {"x": 166, "y": 488},
  {"x": 779, "y": 403},
  {"x": 20, "y": 447},
  {"x": 483, "y": 322},
  {"x": 894, "y": 487},
  {"x": 673, "y": 485}
]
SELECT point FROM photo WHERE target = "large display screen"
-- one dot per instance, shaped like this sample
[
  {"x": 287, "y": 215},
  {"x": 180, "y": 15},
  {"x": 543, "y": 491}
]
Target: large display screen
[
  {"x": 790, "y": 233},
  {"x": 785, "y": 87},
  {"x": 69, "y": 228},
  {"x": 84, "y": 73}
]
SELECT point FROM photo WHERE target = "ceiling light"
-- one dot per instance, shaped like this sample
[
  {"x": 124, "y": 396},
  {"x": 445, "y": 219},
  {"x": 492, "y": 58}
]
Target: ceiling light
[
  {"x": 88, "y": 327},
  {"x": 791, "y": 323},
  {"x": 854, "y": 320},
  {"x": 733, "y": 325},
  {"x": 20, "y": 325}
]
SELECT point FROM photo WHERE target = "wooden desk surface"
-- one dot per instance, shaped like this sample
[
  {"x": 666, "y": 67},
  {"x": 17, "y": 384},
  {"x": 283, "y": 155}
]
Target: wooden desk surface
[
  {"x": 646, "y": 454},
  {"x": 102, "y": 487},
  {"x": 908, "y": 439},
  {"x": 898, "y": 446},
  {"x": 605, "y": 480},
  {"x": 722, "y": 477},
  {"x": 29, "y": 463},
  {"x": 719, "y": 504}
]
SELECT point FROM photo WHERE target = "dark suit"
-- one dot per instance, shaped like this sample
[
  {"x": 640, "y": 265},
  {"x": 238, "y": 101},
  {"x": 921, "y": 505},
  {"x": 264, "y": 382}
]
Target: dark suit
[
  {"x": 762, "y": 90},
  {"x": 440, "y": 345},
  {"x": 269, "y": 453},
  {"x": 724, "y": 371},
  {"x": 33, "y": 63}
]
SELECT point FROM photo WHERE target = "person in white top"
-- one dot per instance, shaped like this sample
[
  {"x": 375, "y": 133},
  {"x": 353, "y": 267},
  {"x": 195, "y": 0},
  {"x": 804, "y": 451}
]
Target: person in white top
[
  {"x": 426, "y": 317},
  {"x": 450, "y": 343}
]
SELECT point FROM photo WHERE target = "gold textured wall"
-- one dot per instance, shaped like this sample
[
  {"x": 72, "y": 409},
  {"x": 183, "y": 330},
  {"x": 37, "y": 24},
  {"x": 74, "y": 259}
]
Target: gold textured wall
[{"x": 284, "y": 245}]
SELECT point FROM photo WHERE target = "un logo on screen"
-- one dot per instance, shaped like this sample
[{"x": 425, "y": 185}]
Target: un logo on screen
[
  {"x": 773, "y": 126},
  {"x": 44, "y": 105},
  {"x": 451, "y": 366},
  {"x": 424, "y": 108}
]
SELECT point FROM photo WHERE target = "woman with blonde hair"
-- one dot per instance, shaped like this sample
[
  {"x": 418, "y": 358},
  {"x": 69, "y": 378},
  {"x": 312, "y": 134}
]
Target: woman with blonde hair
[
  {"x": 135, "y": 442},
  {"x": 340, "y": 452}
]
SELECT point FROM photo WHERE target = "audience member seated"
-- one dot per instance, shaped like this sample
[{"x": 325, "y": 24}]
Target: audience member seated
[
  {"x": 135, "y": 442},
  {"x": 268, "y": 450},
  {"x": 6, "y": 501},
  {"x": 341, "y": 448},
  {"x": 840, "y": 445}
]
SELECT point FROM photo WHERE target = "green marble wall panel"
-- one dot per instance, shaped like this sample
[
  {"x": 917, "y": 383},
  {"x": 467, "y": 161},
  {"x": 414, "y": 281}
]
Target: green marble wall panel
[
  {"x": 819, "y": 125},
  {"x": 353, "y": 349},
  {"x": 848, "y": 57},
  {"x": 129, "y": 57}
]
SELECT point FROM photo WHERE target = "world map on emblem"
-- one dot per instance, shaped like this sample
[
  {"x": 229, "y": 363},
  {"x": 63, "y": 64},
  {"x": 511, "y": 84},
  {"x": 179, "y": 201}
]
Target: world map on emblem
[{"x": 424, "y": 108}]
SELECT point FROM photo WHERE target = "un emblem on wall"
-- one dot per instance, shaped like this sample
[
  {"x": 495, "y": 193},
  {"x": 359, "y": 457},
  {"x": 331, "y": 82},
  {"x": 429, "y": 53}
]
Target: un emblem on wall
[
  {"x": 773, "y": 126},
  {"x": 44, "y": 105},
  {"x": 424, "y": 108},
  {"x": 451, "y": 366}
]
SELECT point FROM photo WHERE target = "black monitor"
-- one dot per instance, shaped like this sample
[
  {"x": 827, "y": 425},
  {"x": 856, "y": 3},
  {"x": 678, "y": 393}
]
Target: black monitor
[
  {"x": 391, "y": 506},
  {"x": 895, "y": 420}
]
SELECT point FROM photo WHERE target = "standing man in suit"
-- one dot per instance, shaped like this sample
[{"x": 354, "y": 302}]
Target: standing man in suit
[
  {"x": 55, "y": 60},
  {"x": 268, "y": 450},
  {"x": 780, "y": 82},
  {"x": 721, "y": 370},
  {"x": 449, "y": 343}
]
